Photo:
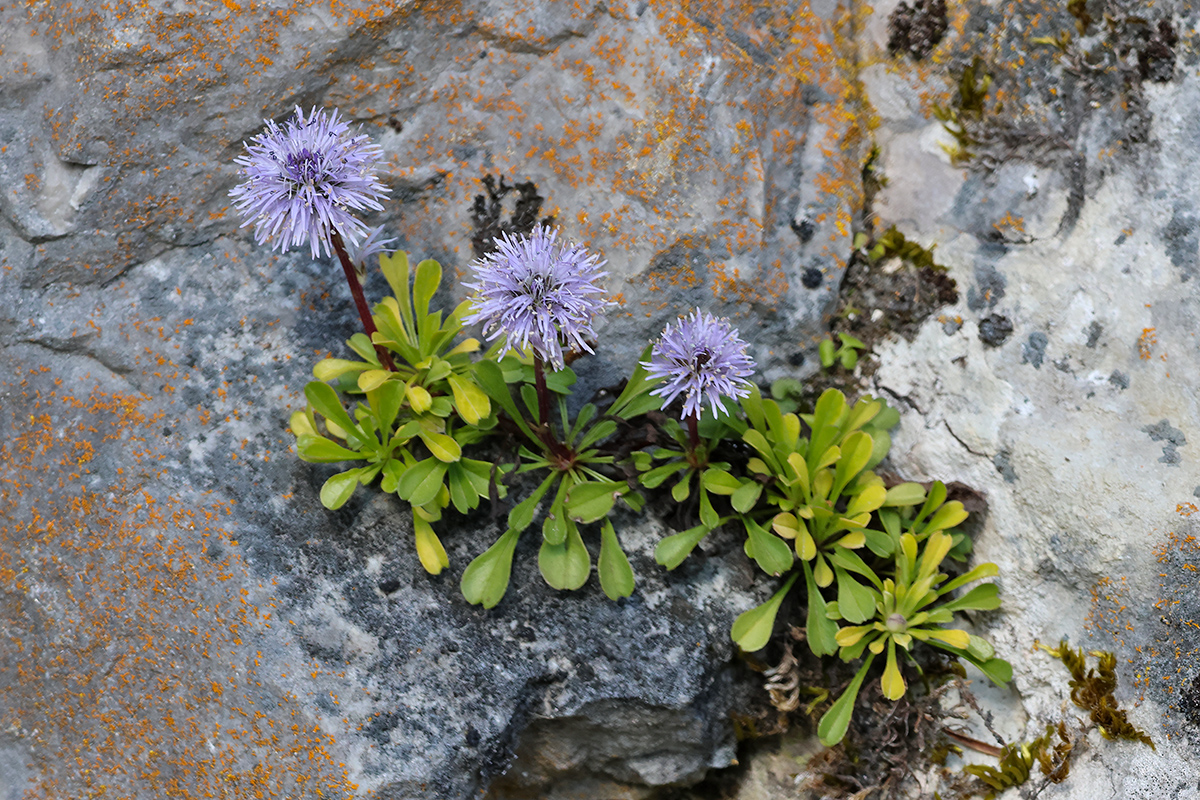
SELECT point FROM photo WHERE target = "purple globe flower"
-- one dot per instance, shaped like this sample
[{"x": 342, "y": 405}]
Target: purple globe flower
[
  {"x": 539, "y": 294},
  {"x": 703, "y": 358},
  {"x": 305, "y": 179}
]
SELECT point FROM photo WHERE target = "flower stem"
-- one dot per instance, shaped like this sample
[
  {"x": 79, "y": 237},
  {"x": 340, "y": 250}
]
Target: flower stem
[
  {"x": 694, "y": 432},
  {"x": 360, "y": 300},
  {"x": 543, "y": 393},
  {"x": 553, "y": 445}
]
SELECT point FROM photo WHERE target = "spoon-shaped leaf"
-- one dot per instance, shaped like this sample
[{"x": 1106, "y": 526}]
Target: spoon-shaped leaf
[
  {"x": 616, "y": 576},
  {"x": 752, "y": 629},
  {"x": 485, "y": 580},
  {"x": 833, "y": 725}
]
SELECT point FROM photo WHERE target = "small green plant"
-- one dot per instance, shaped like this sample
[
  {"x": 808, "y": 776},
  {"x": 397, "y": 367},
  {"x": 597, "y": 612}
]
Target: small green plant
[
  {"x": 419, "y": 395},
  {"x": 540, "y": 297},
  {"x": 696, "y": 476},
  {"x": 581, "y": 493},
  {"x": 878, "y": 549},
  {"x": 414, "y": 419},
  {"x": 846, "y": 354},
  {"x": 916, "y": 605}
]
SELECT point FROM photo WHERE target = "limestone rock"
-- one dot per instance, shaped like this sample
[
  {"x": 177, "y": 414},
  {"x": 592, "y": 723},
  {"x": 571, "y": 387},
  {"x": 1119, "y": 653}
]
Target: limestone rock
[{"x": 182, "y": 617}]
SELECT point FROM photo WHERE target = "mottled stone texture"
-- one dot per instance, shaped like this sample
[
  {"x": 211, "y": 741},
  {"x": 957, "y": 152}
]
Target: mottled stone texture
[
  {"x": 180, "y": 616},
  {"x": 1073, "y": 222}
]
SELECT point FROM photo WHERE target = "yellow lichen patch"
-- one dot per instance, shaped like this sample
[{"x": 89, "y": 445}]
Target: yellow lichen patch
[{"x": 128, "y": 664}]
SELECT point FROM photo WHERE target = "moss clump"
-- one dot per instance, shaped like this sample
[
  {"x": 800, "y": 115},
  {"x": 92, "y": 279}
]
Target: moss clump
[
  {"x": 1017, "y": 760},
  {"x": 893, "y": 244},
  {"x": 1093, "y": 691},
  {"x": 968, "y": 107}
]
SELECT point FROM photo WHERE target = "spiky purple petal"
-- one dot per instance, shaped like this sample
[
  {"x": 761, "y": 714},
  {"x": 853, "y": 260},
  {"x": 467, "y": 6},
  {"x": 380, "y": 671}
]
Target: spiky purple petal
[
  {"x": 373, "y": 244},
  {"x": 539, "y": 294},
  {"x": 703, "y": 358},
  {"x": 304, "y": 181}
]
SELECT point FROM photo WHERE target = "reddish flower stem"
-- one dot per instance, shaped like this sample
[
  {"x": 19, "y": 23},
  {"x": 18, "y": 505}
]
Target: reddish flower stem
[
  {"x": 556, "y": 448},
  {"x": 693, "y": 423},
  {"x": 360, "y": 300}
]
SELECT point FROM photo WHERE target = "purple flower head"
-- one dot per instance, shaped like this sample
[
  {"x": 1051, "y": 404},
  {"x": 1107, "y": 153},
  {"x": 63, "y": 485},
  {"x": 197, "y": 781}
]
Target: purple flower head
[
  {"x": 305, "y": 179},
  {"x": 703, "y": 358},
  {"x": 540, "y": 294}
]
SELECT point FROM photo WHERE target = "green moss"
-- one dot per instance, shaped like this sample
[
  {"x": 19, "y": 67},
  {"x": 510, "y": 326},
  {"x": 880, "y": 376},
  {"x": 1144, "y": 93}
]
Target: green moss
[
  {"x": 1016, "y": 762},
  {"x": 1093, "y": 691},
  {"x": 968, "y": 107},
  {"x": 892, "y": 244}
]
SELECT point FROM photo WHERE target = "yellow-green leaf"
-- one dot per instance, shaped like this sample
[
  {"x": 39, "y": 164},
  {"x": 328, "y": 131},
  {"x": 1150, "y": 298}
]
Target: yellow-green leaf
[
  {"x": 947, "y": 517},
  {"x": 786, "y": 525},
  {"x": 566, "y": 565},
  {"x": 337, "y": 490},
  {"x": 418, "y": 398},
  {"x": 757, "y": 466},
  {"x": 471, "y": 402},
  {"x": 485, "y": 580},
  {"x": 441, "y": 446},
  {"x": 752, "y": 629},
  {"x": 800, "y": 468},
  {"x": 718, "y": 481},
  {"x": 373, "y": 379},
  {"x": 832, "y": 727},
  {"x": 905, "y": 494},
  {"x": 869, "y": 499},
  {"x": 806, "y": 547},
  {"x": 852, "y": 635},
  {"x": 429, "y": 547},
  {"x": 822, "y": 573},
  {"x": 853, "y": 540},
  {"x": 465, "y": 346},
  {"x": 951, "y": 636},
  {"x": 616, "y": 576},
  {"x": 329, "y": 368},
  {"x": 892, "y": 682},
  {"x": 301, "y": 425}
]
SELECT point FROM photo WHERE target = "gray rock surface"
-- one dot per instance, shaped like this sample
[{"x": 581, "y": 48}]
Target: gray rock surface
[
  {"x": 181, "y": 616},
  {"x": 1077, "y": 427}
]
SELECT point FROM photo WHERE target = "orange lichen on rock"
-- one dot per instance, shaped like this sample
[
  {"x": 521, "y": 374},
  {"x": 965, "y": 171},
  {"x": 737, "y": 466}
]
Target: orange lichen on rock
[
  {"x": 1162, "y": 650},
  {"x": 127, "y": 663}
]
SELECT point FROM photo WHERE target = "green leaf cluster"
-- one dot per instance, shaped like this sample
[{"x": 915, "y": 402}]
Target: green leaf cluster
[
  {"x": 845, "y": 353},
  {"x": 693, "y": 476},
  {"x": 871, "y": 555},
  {"x": 411, "y": 424},
  {"x": 577, "y": 485}
]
